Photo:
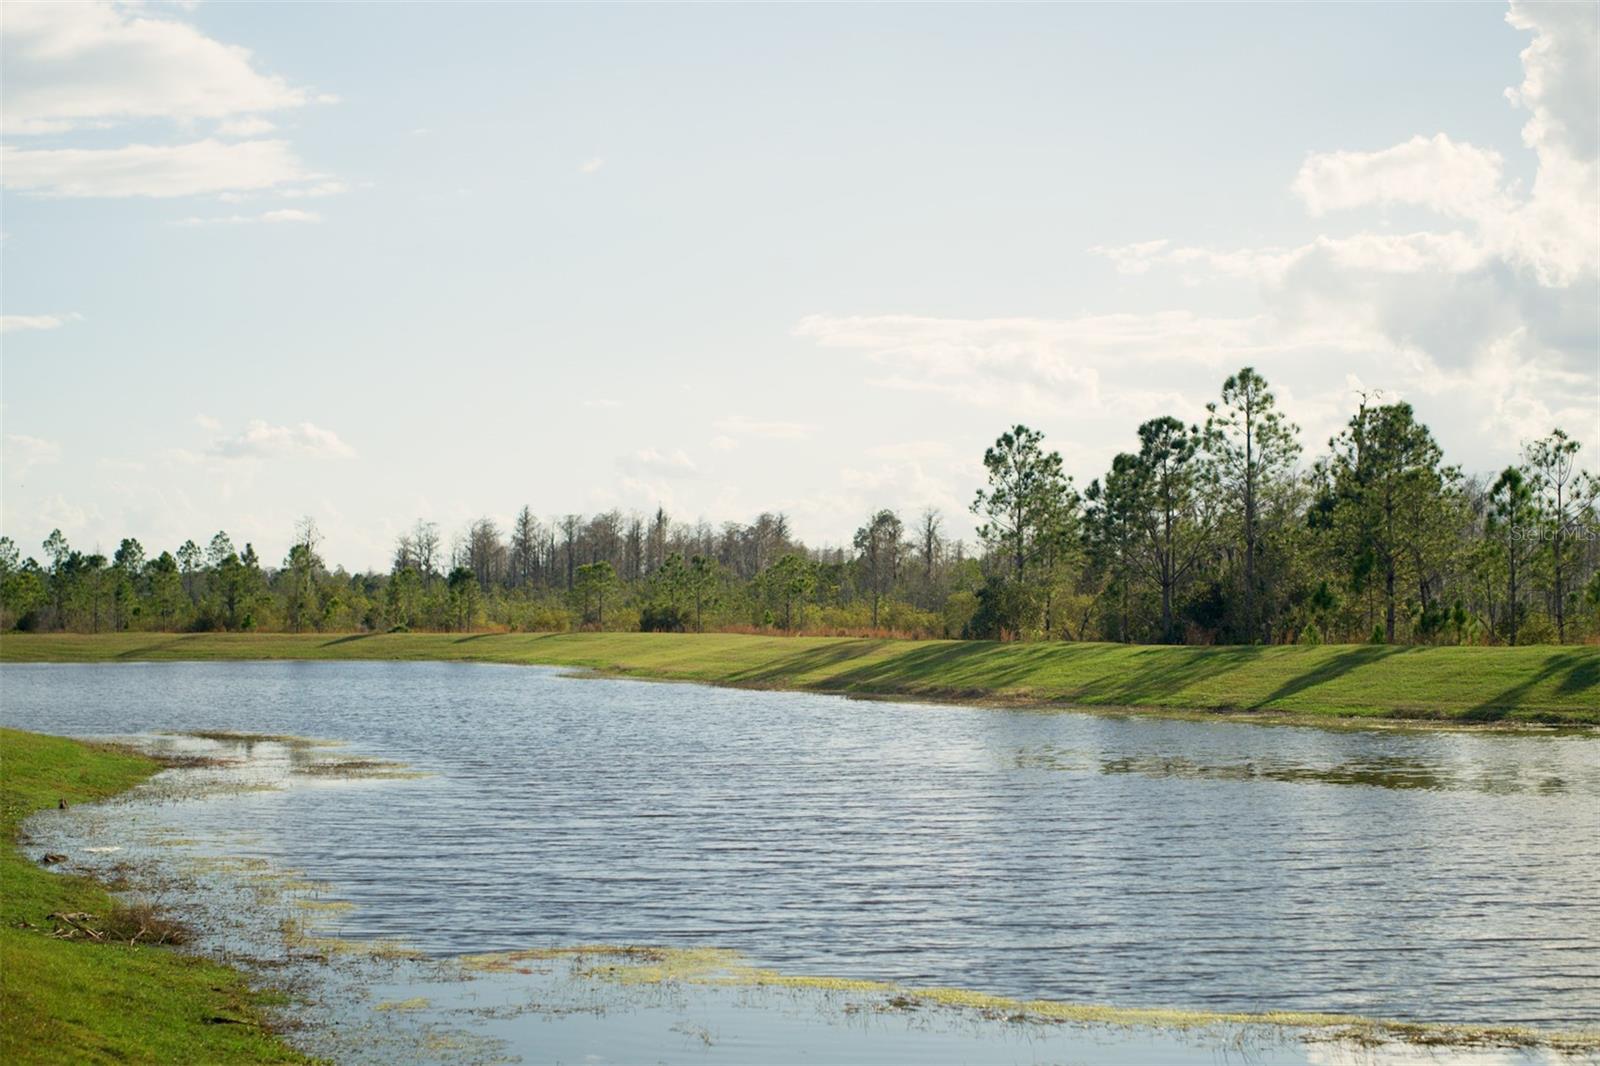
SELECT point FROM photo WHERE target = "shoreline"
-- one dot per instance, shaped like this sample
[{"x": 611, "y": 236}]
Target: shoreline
[
  {"x": 1224, "y": 715},
  {"x": 1522, "y": 689},
  {"x": 630, "y": 974},
  {"x": 78, "y": 992}
]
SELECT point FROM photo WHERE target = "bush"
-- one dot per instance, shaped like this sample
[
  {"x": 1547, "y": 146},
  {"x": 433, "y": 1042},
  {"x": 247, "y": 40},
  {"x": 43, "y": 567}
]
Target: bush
[
  {"x": 664, "y": 618},
  {"x": 1006, "y": 611}
]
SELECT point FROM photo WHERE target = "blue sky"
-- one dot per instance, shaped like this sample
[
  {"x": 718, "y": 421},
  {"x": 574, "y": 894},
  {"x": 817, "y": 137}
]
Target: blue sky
[{"x": 380, "y": 262}]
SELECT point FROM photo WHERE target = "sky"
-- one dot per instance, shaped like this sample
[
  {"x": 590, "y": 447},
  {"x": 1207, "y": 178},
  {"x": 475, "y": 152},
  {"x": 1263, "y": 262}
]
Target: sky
[{"x": 374, "y": 263}]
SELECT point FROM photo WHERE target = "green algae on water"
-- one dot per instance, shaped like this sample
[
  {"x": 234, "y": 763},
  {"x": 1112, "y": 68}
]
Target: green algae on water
[{"x": 646, "y": 965}]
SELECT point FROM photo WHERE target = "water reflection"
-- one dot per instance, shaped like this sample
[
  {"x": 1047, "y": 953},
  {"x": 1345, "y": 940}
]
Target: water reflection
[
  {"x": 1378, "y": 771},
  {"x": 1083, "y": 858}
]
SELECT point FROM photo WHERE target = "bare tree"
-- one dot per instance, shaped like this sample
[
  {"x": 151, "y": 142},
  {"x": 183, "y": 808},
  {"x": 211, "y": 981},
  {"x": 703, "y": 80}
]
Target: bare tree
[
  {"x": 425, "y": 547},
  {"x": 524, "y": 560},
  {"x": 570, "y": 526}
]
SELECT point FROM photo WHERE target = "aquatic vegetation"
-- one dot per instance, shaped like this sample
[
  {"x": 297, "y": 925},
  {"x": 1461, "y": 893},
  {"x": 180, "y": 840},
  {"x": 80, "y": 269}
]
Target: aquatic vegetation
[
  {"x": 414, "y": 1003},
  {"x": 325, "y": 906},
  {"x": 362, "y": 769},
  {"x": 242, "y": 891},
  {"x": 147, "y": 1003},
  {"x": 170, "y": 788},
  {"x": 226, "y": 736},
  {"x": 455, "y": 1046},
  {"x": 648, "y": 965},
  {"x": 297, "y": 936}
]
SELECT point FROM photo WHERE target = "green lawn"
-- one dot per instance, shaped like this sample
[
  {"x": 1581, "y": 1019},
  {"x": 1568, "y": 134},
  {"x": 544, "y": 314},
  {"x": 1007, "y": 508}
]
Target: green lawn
[
  {"x": 76, "y": 1001},
  {"x": 1534, "y": 684}
]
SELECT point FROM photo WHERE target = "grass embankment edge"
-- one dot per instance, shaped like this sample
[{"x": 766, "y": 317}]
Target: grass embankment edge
[
  {"x": 1495, "y": 686},
  {"x": 84, "y": 1001}
]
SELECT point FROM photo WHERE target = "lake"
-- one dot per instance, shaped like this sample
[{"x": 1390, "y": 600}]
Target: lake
[{"x": 1097, "y": 858}]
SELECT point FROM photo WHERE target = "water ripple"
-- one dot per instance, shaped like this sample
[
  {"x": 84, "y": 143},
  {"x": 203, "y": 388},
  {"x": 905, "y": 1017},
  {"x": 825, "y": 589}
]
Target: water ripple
[{"x": 1141, "y": 862}]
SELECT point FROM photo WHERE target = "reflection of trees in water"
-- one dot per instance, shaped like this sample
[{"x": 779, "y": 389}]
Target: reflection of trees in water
[{"x": 1379, "y": 771}]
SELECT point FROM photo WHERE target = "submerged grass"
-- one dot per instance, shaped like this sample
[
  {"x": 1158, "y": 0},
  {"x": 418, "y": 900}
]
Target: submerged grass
[
  {"x": 1549, "y": 685},
  {"x": 87, "y": 1000},
  {"x": 414, "y": 1003},
  {"x": 227, "y": 736},
  {"x": 638, "y": 965},
  {"x": 361, "y": 769}
]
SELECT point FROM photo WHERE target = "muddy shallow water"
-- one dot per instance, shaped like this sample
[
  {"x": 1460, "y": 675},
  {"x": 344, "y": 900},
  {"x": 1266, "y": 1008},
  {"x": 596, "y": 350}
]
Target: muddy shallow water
[{"x": 1085, "y": 858}]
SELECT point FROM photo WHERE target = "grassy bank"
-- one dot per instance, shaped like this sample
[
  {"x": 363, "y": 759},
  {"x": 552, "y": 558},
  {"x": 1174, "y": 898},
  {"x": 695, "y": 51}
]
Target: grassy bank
[
  {"x": 1558, "y": 685},
  {"x": 84, "y": 1001}
]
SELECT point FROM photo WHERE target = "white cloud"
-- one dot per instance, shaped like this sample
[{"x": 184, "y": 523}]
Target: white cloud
[
  {"x": 151, "y": 170},
  {"x": 23, "y": 453},
  {"x": 206, "y": 422},
  {"x": 95, "y": 65},
  {"x": 1407, "y": 253},
  {"x": 650, "y": 462},
  {"x": 55, "y": 512},
  {"x": 911, "y": 451},
  {"x": 602, "y": 404},
  {"x": 591, "y": 166},
  {"x": 1552, "y": 230},
  {"x": 15, "y": 323},
  {"x": 250, "y": 126},
  {"x": 1133, "y": 258},
  {"x": 261, "y": 440},
  {"x": 1450, "y": 177},
  {"x": 1037, "y": 366},
  {"x": 723, "y": 443},
  {"x": 1560, "y": 76},
  {"x": 287, "y": 214},
  {"x": 1490, "y": 322},
  {"x": 745, "y": 426},
  {"x": 81, "y": 64},
  {"x": 316, "y": 190},
  {"x": 1092, "y": 377}
]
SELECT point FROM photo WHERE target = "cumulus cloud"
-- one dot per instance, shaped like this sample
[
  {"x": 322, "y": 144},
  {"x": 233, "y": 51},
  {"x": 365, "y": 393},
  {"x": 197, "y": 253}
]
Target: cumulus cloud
[
  {"x": 591, "y": 166},
  {"x": 81, "y": 64},
  {"x": 745, "y": 426},
  {"x": 1560, "y": 76},
  {"x": 314, "y": 191},
  {"x": 287, "y": 214},
  {"x": 1551, "y": 231},
  {"x": 648, "y": 462},
  {"x": 1489, "y": 318},
  {"x": 911, "y": 451},
  {"x": 1085, "y": 364},
  {"x": 262, "y": 440},
  {"x": 250, "y": 126},
  {"x": 1388, "y": 253},
  {"x": 23, "y": 453},
  {"x": 151, "y": 170},
  {"x": 16, "y": 323},
  {"x": 96, "y": 65},
  {"x": 1435, "y": 172}
]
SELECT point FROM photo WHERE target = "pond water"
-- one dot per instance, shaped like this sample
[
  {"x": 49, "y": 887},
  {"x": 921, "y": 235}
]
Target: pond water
[{"x": 1091, "y": 858}]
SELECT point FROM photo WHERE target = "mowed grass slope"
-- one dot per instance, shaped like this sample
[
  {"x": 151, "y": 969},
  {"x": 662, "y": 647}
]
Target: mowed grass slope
[
  {"x": 76, "y": 1001},
  {"x": 1532, "y": 684}
]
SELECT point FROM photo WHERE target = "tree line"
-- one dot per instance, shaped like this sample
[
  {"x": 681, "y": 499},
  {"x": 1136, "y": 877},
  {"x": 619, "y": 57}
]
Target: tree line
[{"x": 1216, "y": 532}]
